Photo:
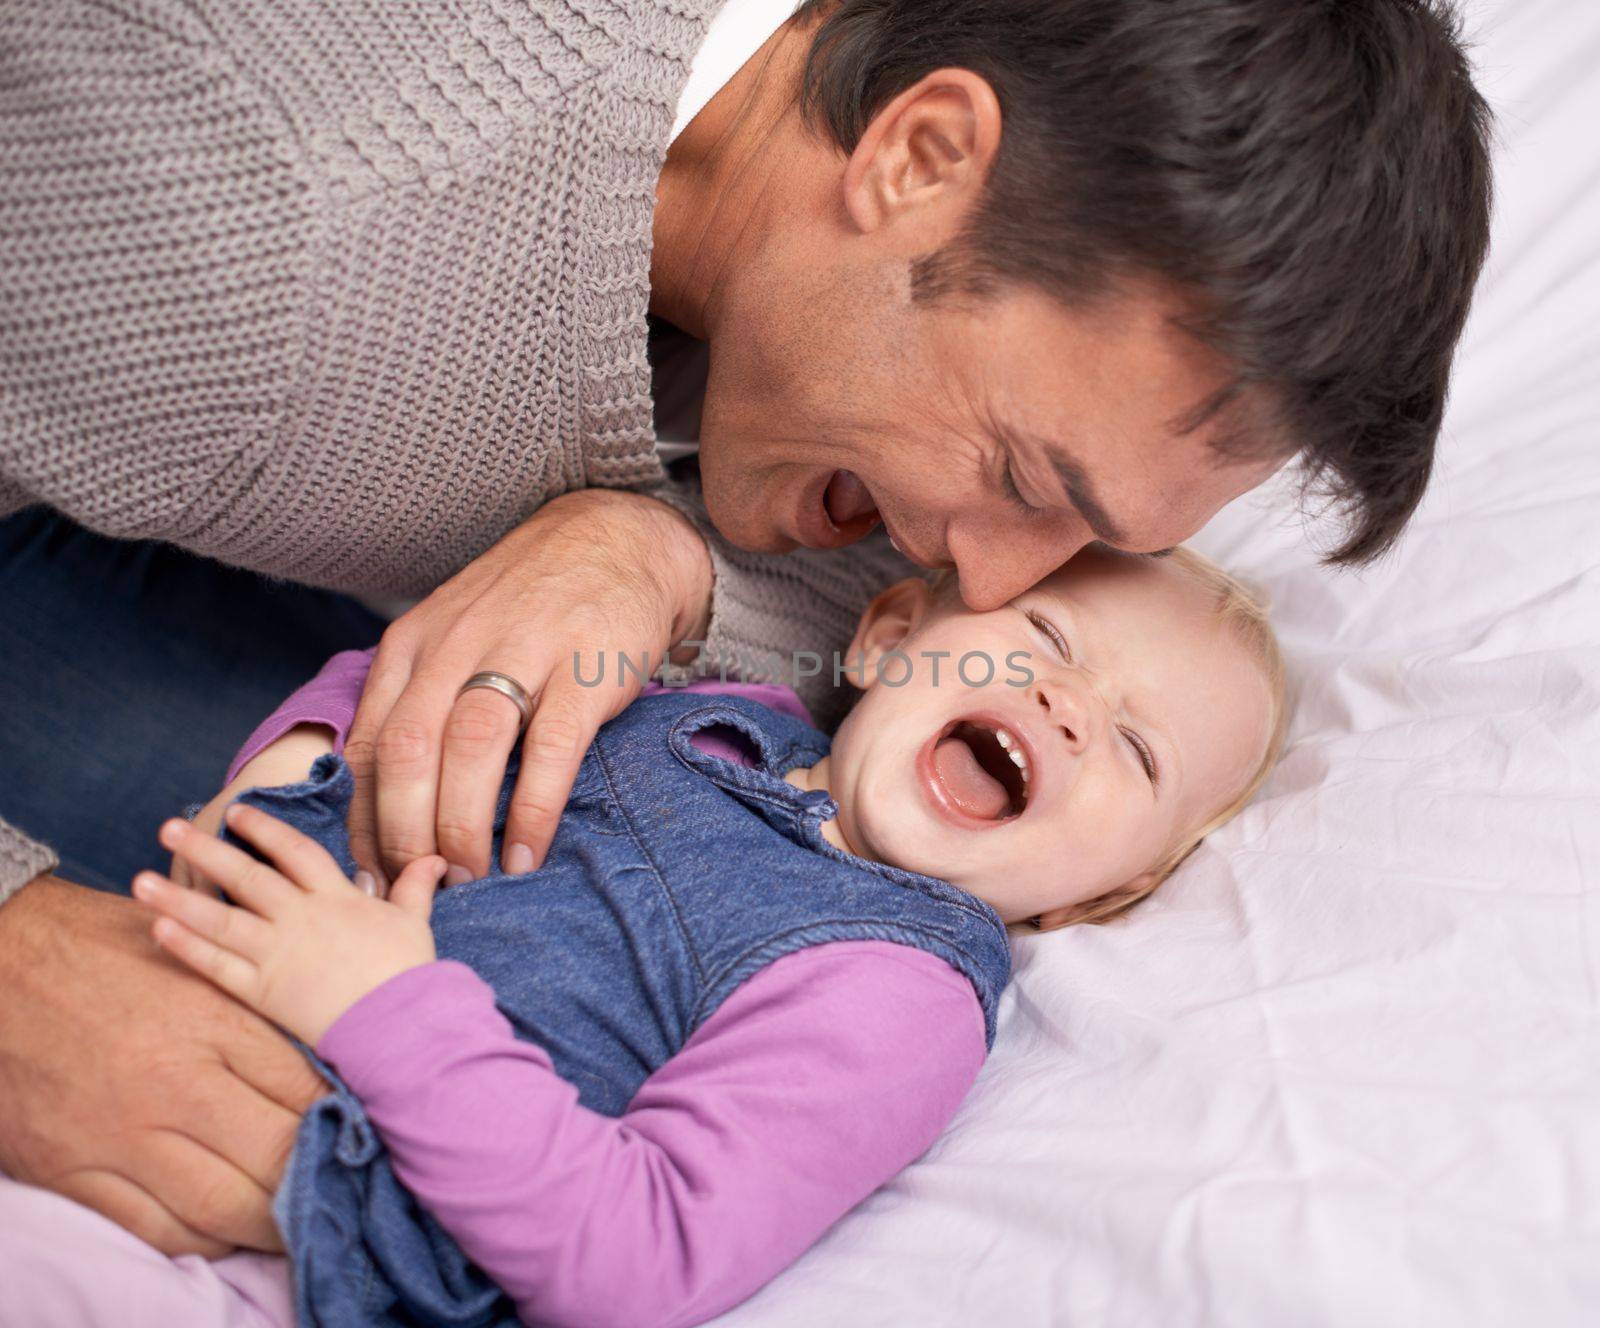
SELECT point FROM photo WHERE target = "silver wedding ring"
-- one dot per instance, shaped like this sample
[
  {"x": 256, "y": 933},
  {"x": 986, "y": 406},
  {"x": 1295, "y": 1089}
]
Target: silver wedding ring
[{"x": 508, "y": 687}]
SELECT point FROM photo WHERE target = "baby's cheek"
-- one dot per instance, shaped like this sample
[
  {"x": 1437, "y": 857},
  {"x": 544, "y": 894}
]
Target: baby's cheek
[{"x": 1085, "y": 855}]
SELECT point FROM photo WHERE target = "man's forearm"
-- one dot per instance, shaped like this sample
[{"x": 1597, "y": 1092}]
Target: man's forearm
[{"x": 21, "y": 860}]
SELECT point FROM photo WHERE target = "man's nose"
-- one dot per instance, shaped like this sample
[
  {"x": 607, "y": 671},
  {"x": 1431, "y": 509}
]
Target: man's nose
[{"x": 997, "y": 565}]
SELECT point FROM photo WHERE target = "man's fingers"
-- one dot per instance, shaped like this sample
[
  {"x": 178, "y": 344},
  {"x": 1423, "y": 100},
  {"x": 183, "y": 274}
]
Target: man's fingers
[
  {"x": 245, "y": 1127},
  {"x": 216, "y": 1199},
  {"x": 252, "y": 1105},
  {"x": 135, "y": 1209},
  {"x": 417, "y": 885},
  {"x": 391, "y": 670},
  {"x": 563, "y": 727},
  {"x": 233, "y": 929},
  {"x": 407, "y": 778},
  {"x": 279, "y": 1083},
  {"x": 478, "y": 739}
]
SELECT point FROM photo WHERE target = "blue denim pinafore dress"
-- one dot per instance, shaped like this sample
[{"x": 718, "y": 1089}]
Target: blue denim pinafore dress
[{"x": 674, "y": 877}]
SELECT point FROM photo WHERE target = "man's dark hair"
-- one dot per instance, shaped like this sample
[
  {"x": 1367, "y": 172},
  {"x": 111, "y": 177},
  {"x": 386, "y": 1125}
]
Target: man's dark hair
[{"x": 1314, "y": 174}]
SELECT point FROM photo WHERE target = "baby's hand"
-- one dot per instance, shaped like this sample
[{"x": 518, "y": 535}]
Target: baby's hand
[
  {"x": 306, "y": 945},
  {"x": 288, "y": 759}
]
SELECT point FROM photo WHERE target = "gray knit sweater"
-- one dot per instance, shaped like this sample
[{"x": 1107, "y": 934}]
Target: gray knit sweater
[{"x": 343, "y": 290}]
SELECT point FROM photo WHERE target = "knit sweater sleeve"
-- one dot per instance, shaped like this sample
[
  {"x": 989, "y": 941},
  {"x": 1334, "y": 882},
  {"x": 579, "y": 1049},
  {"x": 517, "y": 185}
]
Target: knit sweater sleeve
[
  {"x": 21, "y": 859},
  {"x": 784, "y": 617},
  {"x": 337, "y": 293},
  {"x": 155, "y": 266}
]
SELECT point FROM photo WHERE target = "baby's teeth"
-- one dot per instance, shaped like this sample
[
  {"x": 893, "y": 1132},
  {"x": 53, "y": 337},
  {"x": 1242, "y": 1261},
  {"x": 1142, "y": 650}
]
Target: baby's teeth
[{"x": 1009, "y": 743}]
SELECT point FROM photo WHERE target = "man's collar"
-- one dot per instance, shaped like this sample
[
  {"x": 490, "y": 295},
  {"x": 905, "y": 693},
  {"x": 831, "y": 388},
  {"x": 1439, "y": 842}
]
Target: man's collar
[{"x": 739, "y": 30}]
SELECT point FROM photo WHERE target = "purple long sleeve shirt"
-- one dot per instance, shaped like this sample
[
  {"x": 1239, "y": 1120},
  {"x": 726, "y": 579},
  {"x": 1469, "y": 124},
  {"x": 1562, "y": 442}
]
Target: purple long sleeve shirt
[{"x": 814, "y": 1083}]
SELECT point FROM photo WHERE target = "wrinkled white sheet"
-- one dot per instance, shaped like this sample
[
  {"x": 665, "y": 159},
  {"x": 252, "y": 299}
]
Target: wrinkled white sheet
[{"x": 1346, "y": 1070}]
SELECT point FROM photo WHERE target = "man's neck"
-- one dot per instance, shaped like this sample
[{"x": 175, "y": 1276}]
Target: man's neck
[{"x": 714, "y": 195}]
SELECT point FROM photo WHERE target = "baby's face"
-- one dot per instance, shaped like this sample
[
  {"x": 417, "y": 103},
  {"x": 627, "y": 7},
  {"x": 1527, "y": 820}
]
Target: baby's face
[{"x": 1144, "y": 717}]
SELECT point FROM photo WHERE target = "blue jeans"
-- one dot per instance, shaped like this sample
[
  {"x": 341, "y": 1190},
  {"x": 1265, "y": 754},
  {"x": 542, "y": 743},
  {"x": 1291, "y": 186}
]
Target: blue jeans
[{"x": 130, "y": 673}]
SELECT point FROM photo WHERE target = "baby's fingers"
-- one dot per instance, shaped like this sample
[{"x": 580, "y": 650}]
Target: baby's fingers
[
  {"x": 238, "y": 977},
  {"x": 298, "y": 856},
  {"x": 231, "y": 928},
  {"x": 417, "y": 884},
  {"x": 254, "y": 884},
  {"x": 190, "y": 878}
]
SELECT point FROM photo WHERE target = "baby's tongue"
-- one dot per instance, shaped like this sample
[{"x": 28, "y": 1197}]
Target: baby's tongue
[{"x": 974, "y": 789}]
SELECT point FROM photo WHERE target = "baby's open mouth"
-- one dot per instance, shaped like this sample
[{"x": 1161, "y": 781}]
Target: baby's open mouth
[{"x": 983, "y": 769}]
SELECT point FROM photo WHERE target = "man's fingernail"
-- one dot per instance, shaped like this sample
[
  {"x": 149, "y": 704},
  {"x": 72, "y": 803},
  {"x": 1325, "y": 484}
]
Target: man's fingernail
[
  {"x": 365, "y": 882},
  {"x": 457, "y": 875},
  {"x": 518, "y": 858}
]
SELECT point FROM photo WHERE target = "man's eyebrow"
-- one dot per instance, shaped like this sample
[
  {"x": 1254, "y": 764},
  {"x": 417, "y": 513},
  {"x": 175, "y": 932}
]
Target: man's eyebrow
[{"x": 1081, "y": 493}]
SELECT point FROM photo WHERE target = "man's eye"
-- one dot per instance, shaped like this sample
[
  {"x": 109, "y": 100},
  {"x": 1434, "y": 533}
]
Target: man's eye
[
  {"x": 1008, "y": 487},
  {"x": 1051, "y": 634},
  {"x": 1007, "y": 481},
  {"x": 1142, "y": 750}
]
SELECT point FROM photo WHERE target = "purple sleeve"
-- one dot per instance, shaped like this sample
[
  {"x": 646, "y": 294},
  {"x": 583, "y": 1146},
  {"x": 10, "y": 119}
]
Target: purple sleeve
[
  {"x": 330, "y": 698},
  {"x": 813, "y": 1084}
]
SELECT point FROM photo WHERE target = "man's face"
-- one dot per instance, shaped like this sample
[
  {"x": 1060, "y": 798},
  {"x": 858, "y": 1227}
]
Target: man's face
[{"x": 997, "y": 435}]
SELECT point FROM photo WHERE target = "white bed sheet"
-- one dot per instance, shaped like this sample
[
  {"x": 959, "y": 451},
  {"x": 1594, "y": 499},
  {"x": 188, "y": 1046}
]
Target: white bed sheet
[{"x": 1345, "y": 1070}]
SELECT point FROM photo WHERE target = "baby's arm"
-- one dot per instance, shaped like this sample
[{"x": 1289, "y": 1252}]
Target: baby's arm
[
  {"x": 814, "y": 1084},
  {"x": 326, "y": 704}
]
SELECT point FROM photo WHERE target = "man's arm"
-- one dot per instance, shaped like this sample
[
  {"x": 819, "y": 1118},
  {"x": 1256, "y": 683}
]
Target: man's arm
[{"x": 134, "y": 1087}]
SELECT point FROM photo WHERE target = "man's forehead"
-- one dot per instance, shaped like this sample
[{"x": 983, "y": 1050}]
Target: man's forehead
[{"x": 1133, "y": 373}]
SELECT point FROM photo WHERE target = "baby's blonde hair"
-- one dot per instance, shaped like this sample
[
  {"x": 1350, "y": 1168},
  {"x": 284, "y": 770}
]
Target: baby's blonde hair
[{"x": 1245, "y": 610}]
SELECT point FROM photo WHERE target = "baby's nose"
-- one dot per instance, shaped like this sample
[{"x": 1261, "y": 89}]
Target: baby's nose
[{"x": 1067, "y": 712}]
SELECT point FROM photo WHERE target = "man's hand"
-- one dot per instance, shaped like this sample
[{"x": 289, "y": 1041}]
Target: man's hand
[
  {"x": 133, "y": 1086},
  {"x": 591, "y": 574}
]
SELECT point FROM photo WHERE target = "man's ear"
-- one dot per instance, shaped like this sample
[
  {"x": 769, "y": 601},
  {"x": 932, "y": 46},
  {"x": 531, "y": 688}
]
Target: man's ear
[
  {"x": 1100, "y": 905},
  {"x": 930, "y": 148},
  {"x": 889, "y": 619}
]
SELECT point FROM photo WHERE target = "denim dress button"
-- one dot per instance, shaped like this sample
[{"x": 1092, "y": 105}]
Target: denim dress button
[{"x": 813, "y": 799}]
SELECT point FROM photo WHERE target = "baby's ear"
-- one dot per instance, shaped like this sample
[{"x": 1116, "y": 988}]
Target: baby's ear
[
  {"x": 888, "y": 620},
  {"x": 1088, "y": 909}
]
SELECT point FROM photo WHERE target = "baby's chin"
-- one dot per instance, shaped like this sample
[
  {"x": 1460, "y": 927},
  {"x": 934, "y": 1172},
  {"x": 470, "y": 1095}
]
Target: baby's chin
[
  {"x": 996, "y": 873},
  {"x": 978, "y": 870}
]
